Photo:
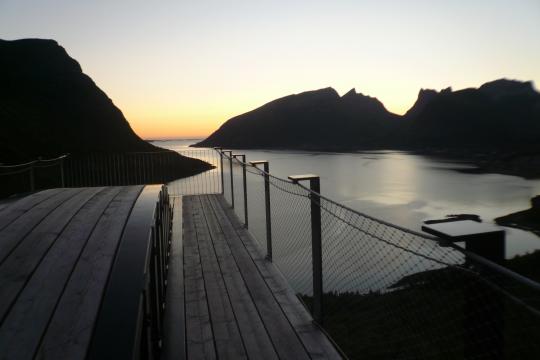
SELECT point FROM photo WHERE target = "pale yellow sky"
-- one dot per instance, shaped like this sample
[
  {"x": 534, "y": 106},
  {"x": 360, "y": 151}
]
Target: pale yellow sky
[{"x": 180, "y": 69}]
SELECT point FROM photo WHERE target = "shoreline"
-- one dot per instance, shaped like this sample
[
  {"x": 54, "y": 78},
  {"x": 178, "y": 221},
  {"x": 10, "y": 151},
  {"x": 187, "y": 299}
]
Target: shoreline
[
  {"x": 528, "y": 220},
  {"x": 524, "y": 164}
]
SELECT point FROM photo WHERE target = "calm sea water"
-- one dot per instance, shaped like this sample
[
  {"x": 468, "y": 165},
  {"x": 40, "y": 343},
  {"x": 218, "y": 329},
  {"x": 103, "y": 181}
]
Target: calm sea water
[{"x": 405, "y": 189}]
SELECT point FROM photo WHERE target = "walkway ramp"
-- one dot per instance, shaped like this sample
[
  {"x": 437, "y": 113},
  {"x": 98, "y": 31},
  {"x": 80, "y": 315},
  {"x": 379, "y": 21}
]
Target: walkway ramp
[{"x": 225, "y": 300}]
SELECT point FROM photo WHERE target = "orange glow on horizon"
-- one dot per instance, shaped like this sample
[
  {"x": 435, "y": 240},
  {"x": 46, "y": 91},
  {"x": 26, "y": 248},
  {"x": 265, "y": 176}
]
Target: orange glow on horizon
[
  {"x": 183, "y": 68},
  {"x": 198, "y": 121}
]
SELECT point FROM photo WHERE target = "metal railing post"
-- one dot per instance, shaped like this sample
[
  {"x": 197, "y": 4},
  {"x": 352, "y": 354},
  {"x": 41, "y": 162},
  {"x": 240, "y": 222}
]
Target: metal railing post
[
  {"x": 32, "y": 179},
  {"x": 62, "y": 180},
  {"x": 316, "y": 242},
  {"x": 232, "y": 179},
  {"x": 266, "y": 168},
  {"x": 244, "y": 182},
  {"x": 219, "y": 150}
]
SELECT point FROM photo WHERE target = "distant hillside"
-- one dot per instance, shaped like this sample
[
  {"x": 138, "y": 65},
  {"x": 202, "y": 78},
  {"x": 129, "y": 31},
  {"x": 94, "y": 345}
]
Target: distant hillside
[
  {"x": 503, "y": 114},
  {"x": 48, "y": 107},
  {"x": 310, "y": 120}
]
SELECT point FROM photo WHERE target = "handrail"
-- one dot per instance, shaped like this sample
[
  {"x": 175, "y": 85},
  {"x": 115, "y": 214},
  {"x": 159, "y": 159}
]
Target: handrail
[
  {"x": 129, "y": 325},
  {"x": 490, "y": 264},
  {"x": 62, "y": 157},
  {"x": 412, "y": 232},
  {"x": 500, "y": 269}
]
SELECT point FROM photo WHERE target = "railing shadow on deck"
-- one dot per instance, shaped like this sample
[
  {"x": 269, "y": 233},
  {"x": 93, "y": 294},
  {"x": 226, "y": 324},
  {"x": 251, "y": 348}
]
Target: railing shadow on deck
[{"x": 380, "y": 290}]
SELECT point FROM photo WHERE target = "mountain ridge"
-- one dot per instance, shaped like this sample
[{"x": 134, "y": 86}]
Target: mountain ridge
[
  {"x": 49, "y": 106},
  {"x": 499, "y": 114}
]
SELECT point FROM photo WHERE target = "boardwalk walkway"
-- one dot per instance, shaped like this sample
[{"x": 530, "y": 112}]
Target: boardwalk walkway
[
  {"x": 225, "y": 300},
  {"x": 59, "y": 254},
  {"x": 74, "y": 261}
]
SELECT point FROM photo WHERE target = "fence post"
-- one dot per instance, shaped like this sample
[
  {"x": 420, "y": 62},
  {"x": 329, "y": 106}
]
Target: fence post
[
  {"x": 232, "y": 179},
  {"x": 218, "y": 149},
  {"x": 244, "y": 182},
  {"x": 63, "y": 182},
  {"x": 484, "y": 325},
  {"x": 32, "y": 179},
  {"x": 266, "y": 168},
  {"x": 316, "y": 242}
]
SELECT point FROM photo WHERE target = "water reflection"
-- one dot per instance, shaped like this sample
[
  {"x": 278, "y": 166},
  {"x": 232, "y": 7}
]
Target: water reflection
[{"x": 405, "y": 189}]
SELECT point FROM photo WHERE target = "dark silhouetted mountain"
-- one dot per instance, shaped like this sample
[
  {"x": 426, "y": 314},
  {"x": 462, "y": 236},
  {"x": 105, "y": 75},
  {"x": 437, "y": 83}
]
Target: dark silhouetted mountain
[
  {"x": 49, "y": 107},
  {"x": 501, "y": 115},
  {"x": 424, "y": 97},
  {"x": 504, "y": 87},
  {"x": 319, "y": 119}
]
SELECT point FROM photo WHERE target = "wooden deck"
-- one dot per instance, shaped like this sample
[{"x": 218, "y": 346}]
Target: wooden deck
[
  {"x": 225, "y": 300},
  {"x": 72, "y": 269},
  {"x": 58, "y": 252}
]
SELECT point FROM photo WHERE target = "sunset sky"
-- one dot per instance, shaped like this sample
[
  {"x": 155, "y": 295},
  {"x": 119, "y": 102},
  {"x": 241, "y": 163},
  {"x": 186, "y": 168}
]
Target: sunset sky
[{"x": 181, "y": 68}]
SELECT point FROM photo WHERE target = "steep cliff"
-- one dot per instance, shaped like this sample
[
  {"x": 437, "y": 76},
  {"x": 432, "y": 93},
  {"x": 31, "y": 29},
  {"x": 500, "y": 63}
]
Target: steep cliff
[{"x": 48, "y": 106}]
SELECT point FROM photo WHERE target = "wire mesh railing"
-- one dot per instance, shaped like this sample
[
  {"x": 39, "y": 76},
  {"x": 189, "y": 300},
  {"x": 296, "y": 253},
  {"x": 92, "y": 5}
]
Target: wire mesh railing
[
  {"x": 385, "y": 292},
  {"x": 207, "y": 182}
]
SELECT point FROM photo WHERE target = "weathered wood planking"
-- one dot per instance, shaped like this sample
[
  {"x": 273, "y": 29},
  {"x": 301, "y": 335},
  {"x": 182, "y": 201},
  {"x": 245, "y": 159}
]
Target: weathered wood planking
[
  {"x": 19, "y": 207},
  {"x": 16, "y": 231},
  {"x": 284, "y": 338},
  {"x": 256, "y": 339},
  {"x": 314, "y": 340},
  {"x": 70, "y": 328},
  {"x": 19, "y": 266},
  {"x": 28, "y": 319},
  {"x": 229, "y": 344},
  {"x": 199, "y": 335},
  {"x": 224, "y": 299},
  {"x": 174, "y": 324}
]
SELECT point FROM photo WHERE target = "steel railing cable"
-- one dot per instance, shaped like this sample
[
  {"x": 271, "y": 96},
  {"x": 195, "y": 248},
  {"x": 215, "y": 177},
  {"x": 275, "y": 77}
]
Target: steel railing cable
[
  {"x": 255, "y": 170},
  {"x": 34, "y": 162},
  {"x": 391, "y": 292},
  {"x": 32, "y": 175}
]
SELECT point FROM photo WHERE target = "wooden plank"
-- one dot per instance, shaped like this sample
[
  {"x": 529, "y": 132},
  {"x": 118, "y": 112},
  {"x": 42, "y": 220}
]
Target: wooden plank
[
  {"x": 70, "y": 328},
  {"x": 227, "y": 339},
  {"x": 25, "y": 324},
  {"x": 256, "y": 339},
  {"x": 199, "y": 335},
  {"x": 19, "y": 266},
  {"x": 10, "y": 211},
  {"x": 284, "y": 337},
  {"x": 174, "y": 324},
  {"x": 315, "y": 341},
  {"x": 4, "y": 203},
  {"x": 17, "y": 230}
]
